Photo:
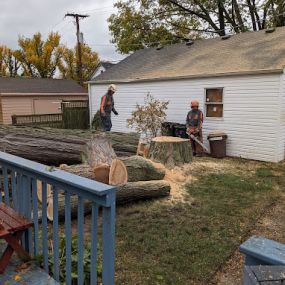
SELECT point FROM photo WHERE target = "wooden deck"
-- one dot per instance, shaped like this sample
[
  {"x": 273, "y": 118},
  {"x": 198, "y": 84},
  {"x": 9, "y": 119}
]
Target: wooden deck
[{"x": 30, "y": 274}]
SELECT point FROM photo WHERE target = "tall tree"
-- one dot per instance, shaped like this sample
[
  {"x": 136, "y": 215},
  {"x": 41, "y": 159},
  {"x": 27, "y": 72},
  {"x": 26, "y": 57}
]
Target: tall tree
[
  {"x": 68, "y": 65},
  {"x": 145, "y": 23},
  {"x": 40, "y": 58},
  {"x": 9, "y": 64}
]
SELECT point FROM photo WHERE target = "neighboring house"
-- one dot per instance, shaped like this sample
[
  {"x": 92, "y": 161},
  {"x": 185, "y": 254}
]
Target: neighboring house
[
  {"x": 26, "y": 96},
  {"x": 239, "y": 82},
  {"x": 101, "y": 68}
]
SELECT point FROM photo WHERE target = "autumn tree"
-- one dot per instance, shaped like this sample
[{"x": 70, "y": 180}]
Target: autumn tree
[
  {"x": 9, "y": 64},
  {"x": 147, "y": 118},
  {"x": 146, "y": 23},
  {"x": 68, "y": 65},
  {"x": 40, "y": 58}
]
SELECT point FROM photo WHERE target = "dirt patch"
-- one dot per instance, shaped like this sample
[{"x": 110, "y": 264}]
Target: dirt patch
[{"x": 271, "y": 226}]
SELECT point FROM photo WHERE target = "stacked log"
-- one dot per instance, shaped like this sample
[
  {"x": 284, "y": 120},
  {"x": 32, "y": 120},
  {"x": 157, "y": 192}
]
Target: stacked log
[
  {"x": 145, "y": 181},
  {"x": 59, "y": 146}
]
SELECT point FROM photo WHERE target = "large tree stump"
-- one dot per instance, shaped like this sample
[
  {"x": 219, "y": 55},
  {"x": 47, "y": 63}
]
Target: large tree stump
[{"x": 170, "y": 151}]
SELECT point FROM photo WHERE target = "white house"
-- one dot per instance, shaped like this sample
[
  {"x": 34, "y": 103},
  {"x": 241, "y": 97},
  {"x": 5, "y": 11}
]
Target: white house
[
  {"x": 239, "y": 81},
  {"x": 101, "y": 68}
]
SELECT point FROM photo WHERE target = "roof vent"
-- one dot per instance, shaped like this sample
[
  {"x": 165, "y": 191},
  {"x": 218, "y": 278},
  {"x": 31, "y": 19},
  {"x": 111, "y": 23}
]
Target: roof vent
[
  {"x": 225, "y": 37},
  {"x": 189, "y": 43},
  {"x": 159, "y": 47},
  {"x": 270, "y": 30}
]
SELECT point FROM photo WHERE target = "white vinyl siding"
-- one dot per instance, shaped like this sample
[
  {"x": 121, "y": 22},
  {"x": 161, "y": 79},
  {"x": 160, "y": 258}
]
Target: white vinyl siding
[
  {"x": 251, "y": 109},
  {"x": 281, "y": 126}
]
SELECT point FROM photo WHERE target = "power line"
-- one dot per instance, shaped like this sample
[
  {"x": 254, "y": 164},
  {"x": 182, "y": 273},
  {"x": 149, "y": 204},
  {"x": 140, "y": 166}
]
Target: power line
[{"x": 78, "y": 17}]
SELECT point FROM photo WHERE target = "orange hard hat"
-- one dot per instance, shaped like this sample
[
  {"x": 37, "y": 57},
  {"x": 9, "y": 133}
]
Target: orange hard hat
[{"x": 194, "y": 103}]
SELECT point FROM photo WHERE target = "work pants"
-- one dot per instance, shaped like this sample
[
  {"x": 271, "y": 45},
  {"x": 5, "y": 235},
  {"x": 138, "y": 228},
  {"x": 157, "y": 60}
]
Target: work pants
[{"x": 196, "y": 148}]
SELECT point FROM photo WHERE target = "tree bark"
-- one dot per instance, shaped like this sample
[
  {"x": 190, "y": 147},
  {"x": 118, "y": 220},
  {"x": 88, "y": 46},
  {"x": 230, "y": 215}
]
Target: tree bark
[
  {"x": 138, "y": 169},
  {"x": 170, "y": 151},
  {"x": 126, "y": 193},
  {"x": 57, "y": 146},
  {"x": 141, "y": 169}
]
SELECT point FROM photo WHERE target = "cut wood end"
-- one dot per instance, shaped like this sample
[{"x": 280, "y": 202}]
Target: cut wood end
[
  {"x": 118, "y": 173},
  {"x": 101, "y": 173},
  {"x": 169, "y": 139}
]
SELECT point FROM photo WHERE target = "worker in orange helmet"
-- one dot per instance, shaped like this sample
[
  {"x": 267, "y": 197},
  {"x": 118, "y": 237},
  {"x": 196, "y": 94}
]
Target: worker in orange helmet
[{"x": 194, "y": 124}]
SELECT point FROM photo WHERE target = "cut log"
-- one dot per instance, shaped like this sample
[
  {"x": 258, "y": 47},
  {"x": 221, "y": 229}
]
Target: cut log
[
  {"x": 170, "y": 151},
  {"x": 141, "y": 169},
  {"x": 58, "y": 146},
  {"x": 138, "y": 169},
  {"x": 99, "y": 151},
  {"x": 142, "y": 190},
  {"x": 39, "y": 191},
  {"x": 101, "y": 173},
  {"x": 126, "y": 193},
  {"x": 61, "y": 207},
  {"x": 118, "y": 173}
]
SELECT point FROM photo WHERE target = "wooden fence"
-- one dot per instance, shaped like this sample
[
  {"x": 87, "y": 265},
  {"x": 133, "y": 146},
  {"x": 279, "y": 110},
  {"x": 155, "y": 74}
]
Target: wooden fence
[
  {"x": 44, "y": 120},
  {"x": 75, "y": 115}
]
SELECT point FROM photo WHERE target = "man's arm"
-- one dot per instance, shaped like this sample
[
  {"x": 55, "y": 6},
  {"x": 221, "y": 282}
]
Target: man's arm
[{"x": 102, "y": 106}]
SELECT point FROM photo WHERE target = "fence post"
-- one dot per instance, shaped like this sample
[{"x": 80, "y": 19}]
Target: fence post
[{"x": 14, "y": 120}]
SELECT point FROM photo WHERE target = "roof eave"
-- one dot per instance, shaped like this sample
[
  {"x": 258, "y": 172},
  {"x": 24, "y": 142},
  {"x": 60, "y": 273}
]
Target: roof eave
[
  {"x": 42, "y": 94},
  {"x": 256, "y": 72}
]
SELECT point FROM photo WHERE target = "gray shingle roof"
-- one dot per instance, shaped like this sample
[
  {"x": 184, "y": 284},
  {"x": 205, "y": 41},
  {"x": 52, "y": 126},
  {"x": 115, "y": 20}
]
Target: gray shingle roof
[
  {"x": 39, "y": 85},
  {"x": 107, "y": 64},
  {"x": 245, "y": 53}
]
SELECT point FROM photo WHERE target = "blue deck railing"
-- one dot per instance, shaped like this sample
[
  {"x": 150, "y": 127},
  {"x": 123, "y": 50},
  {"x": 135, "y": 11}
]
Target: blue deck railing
[{"x": 20, "y": 180}]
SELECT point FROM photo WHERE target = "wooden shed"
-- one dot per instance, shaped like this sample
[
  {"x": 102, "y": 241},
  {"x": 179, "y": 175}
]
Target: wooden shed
[
  {"x": 29, "y": 96},
  {"x": 239, "y": 81}
]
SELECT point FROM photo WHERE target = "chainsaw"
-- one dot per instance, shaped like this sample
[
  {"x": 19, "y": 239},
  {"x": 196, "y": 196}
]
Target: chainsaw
[{"x": 198, "y": 142}]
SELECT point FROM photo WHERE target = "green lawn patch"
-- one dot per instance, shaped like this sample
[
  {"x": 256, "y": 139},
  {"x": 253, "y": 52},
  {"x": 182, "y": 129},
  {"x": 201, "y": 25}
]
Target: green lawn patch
[{"x": 182, "y": 243}]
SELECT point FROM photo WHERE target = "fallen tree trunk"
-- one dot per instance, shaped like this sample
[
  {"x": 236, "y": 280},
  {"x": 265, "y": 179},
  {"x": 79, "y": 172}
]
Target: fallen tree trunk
[
  {"x": 138, "y": 169},
  {"x": 58, "y": 146},
  {"x": 126, "y": 193},
  {"x": 142, "y": 190},
  {"x": 141, "y": 169}
]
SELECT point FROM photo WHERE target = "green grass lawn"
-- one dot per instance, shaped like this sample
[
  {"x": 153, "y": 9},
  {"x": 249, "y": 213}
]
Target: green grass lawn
[{"x": 161, "y": 242}]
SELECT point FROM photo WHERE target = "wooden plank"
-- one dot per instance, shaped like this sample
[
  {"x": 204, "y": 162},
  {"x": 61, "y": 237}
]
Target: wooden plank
[
  {"x": 13, "y": 219},
  {"x": 263, "y": 251}
]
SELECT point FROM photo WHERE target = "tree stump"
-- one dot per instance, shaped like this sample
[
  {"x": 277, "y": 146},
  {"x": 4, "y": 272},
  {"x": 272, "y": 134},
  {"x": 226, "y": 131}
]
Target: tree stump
[{"x": 170, "y": 151}]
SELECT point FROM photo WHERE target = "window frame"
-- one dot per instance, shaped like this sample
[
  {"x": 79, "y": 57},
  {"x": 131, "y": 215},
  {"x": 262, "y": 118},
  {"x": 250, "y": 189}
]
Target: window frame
[{"x": 214, "y": 103}]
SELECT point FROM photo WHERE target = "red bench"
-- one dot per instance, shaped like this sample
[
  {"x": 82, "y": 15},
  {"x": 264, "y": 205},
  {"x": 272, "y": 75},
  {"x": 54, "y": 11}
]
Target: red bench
[{"x": 12, "y": 227}]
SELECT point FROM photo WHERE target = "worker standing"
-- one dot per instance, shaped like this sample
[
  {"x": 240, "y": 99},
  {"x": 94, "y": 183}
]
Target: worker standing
[
  {"x": 107, "y": 107},
  {"x": 194, "y": 124}
]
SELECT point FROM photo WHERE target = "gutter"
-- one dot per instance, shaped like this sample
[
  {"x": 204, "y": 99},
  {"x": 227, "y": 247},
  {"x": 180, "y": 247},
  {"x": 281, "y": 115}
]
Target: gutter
[{"x": 258, "y": 72}]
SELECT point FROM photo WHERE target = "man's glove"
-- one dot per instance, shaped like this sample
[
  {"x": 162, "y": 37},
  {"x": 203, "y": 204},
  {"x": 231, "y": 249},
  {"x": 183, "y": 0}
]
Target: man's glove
[{"x": 116, "y": 113}]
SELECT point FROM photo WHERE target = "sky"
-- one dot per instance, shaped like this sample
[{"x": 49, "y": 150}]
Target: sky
[{"x": 27, "y": 17}]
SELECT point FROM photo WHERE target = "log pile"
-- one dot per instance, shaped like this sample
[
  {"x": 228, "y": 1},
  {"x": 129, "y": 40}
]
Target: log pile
[
  {"x": 59, "y": 146},
  {"x": 136, "y": 178}
]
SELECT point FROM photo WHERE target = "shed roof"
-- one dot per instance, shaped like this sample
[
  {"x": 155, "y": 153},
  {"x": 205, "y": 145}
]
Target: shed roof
[
  {"x": 24, "y": 85},
  {"x": 245, "y": 53}
]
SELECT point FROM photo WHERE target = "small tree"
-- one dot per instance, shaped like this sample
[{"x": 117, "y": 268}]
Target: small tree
[{"x": 147, "y": 118}]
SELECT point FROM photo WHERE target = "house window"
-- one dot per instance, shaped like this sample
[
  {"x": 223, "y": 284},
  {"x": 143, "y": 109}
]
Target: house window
[{"x": 214, "y": 103}]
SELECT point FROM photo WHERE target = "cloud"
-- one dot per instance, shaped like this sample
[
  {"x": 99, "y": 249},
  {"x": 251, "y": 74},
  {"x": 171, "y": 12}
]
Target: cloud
[{"x": 18, "y": 17}]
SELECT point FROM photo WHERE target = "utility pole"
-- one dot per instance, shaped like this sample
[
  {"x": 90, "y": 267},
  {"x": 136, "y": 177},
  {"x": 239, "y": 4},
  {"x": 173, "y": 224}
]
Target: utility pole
[{"x": 79, "y": 52}]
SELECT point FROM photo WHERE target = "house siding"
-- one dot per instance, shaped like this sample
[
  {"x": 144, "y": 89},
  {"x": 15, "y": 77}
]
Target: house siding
[
  {"x": 281, "y": 130},
  {"x": 251, "y": 109},
  {"x": 25, "y": 105}
]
